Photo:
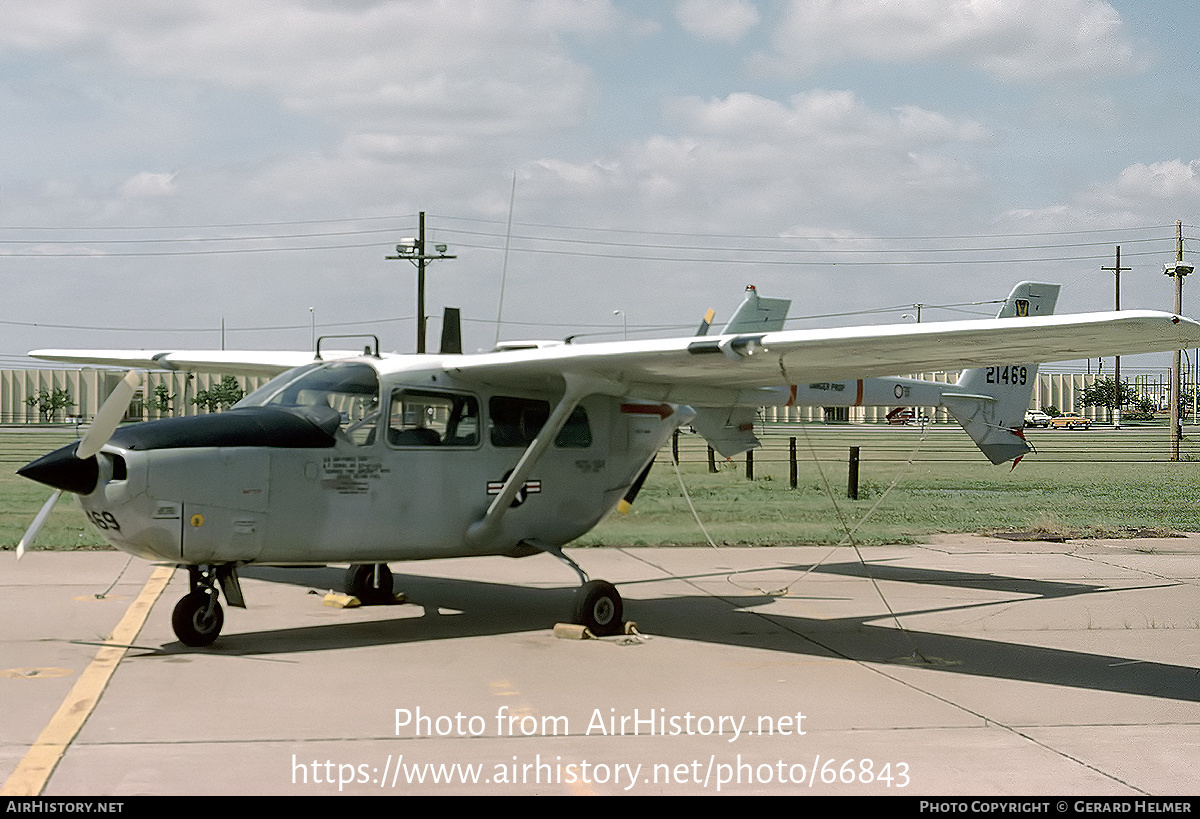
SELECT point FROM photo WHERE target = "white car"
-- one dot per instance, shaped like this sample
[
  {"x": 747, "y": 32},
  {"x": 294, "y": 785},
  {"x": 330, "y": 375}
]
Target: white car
[{"x": 1036, "y": 418}]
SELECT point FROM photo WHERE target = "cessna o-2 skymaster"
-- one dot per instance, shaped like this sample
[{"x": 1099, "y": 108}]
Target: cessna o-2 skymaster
[{"x": 377, "y": 458}]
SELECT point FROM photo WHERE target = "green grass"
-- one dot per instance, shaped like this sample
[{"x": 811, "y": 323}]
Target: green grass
[
  {"x": 1081, "y": 483},
  {"x": 1097, "y": 483},
  {"x": 20, "y": 499}
]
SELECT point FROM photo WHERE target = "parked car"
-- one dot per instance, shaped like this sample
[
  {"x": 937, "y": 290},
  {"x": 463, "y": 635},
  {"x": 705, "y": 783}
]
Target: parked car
[
  {"x": 1037, "y": 418},
  {"x": 1070, "y": 420}
]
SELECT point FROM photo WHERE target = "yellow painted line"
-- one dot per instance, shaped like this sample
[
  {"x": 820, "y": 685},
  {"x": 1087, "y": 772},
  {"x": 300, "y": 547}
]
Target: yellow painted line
[{"x": 33, "y": 771}]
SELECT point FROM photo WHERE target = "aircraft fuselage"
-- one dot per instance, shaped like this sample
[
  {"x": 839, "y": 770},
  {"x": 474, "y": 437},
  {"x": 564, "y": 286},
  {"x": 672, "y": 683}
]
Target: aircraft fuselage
[{"x": 346, "y": 465}]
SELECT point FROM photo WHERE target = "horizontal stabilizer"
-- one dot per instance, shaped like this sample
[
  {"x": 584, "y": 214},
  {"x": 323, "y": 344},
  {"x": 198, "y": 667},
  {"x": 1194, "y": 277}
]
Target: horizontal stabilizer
[{"x": 980, "y": 417}]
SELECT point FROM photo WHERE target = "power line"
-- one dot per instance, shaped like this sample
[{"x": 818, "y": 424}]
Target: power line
[
  {"x": 815, "y": 238},
  {"x": 304, "y": 326},
  {"x": 199, "y": 239},
  {"x": 694, "y": 253},
  {"x": 709, "y": 248},
  {"x": 573, "y": 228},
  {"x": 697, "y": 259},
  {"x": 395, "y": 319},
  {"x": 227, "y": 226},
  {"x": 215, "y": 252},
  {"x": 726, "y": 260}
]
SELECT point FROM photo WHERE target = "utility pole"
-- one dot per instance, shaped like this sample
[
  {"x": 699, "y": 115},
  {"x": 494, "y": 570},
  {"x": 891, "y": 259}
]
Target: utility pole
[
  {"x": 414, "y": 251},
  {"x": 1176, "y": 271},
  {"x": 1116, "y": 268}
]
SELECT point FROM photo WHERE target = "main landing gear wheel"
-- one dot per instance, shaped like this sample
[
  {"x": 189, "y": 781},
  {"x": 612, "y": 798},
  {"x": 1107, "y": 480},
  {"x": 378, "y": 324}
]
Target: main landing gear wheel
[
  {"x": 598, "y": 606},
  {"x": 361, "y": 582},
  {"x": 197, "y": 619}
]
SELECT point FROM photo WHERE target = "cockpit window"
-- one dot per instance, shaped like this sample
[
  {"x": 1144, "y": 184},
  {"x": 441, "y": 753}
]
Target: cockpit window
[
  {"x": 344, "y": 395},
  {"x": 420, "y": 418}
]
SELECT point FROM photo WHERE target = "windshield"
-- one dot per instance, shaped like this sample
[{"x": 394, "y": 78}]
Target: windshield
[{"x": 345, "y": 391}]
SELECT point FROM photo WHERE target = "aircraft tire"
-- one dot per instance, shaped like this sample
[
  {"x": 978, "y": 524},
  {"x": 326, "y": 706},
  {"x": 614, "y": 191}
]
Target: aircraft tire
[
  {"x": 360, "y": 582},
  {"x": 191, "y": 625},
  {"x": 598, "y": 606}
]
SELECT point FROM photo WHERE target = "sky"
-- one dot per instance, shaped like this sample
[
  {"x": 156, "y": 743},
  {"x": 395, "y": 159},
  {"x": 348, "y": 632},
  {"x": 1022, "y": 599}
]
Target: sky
[{"x": 172, "y": 168}]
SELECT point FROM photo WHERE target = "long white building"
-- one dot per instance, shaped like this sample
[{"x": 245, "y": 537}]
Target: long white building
[{"x": 87, "y": 388}]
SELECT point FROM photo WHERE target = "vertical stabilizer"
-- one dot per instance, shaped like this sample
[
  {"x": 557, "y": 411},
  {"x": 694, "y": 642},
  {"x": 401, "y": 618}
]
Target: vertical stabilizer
[
  {"x": 730, "y": 430},
  {"x": 990, "y": 402},
  {"x": 758, "y": 315}
]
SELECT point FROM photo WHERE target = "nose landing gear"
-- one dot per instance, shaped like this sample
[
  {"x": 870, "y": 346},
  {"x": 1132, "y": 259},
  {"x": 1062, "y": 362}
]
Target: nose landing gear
[{"x": 198, "y": 617}]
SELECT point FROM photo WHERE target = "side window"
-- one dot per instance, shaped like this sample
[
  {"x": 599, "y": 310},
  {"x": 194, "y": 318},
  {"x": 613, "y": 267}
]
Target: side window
[
  {"x": 515, "y": 422},
  {"x": 418, "y": 418}
]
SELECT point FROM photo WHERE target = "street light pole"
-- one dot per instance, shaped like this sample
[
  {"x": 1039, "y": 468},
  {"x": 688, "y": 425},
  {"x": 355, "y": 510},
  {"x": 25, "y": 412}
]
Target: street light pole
[
  {"x": 1176, "y": 271},
  {"x": 421, "y": 284},
  {"x": 414, "y": 251},
  {"x": 624, "y": 323},
  {"x": 1116, "y": 268}
]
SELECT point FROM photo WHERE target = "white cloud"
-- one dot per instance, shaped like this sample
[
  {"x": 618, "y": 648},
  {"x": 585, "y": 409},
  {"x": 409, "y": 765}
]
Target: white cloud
[
  {"x": 719, "y": 20},
  {"x": 147, "y": 183},
  {"x": 320, "y": 109},
  {"x": 820, "y": 156},
  {"x": 1141, "y": 194},
  {"x": 1173, "y": 180},
  {"x": 487, "y": 67},
  {"x": 1010, "y": 39}
]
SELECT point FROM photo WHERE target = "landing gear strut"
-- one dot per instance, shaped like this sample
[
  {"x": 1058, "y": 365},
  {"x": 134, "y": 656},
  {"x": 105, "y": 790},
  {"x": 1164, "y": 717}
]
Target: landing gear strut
[
  {"x": 370, "y": 582},
  {"x": 198, "y": 617}
]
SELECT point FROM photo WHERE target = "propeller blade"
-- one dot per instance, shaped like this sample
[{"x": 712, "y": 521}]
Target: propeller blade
[
  {"x": 109, "y": 415},
  {"x": 38, "y": 522},
  {"x": 627, "y": 502}
]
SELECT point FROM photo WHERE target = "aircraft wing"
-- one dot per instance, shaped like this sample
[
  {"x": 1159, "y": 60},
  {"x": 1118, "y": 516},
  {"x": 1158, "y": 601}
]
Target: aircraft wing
[
  {"x": 684, "y": 368},
  {"x": 226, "y": 362},
  {"x": 688, "y": 369}
]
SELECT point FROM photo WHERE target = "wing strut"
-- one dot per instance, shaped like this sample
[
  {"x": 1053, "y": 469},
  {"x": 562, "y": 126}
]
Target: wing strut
[{"x": 577, "y": 388}]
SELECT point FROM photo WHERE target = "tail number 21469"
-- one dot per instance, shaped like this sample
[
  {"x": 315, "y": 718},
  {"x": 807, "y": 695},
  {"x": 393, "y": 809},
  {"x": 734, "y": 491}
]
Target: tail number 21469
[{"x": 1013, "y": 375}]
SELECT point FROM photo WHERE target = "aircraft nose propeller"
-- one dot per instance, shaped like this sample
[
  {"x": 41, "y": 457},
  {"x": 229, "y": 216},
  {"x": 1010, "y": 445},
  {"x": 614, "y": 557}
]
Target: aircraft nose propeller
[
  {"x": 63, "y": 469},
  {"x": 74, "y": 467}
]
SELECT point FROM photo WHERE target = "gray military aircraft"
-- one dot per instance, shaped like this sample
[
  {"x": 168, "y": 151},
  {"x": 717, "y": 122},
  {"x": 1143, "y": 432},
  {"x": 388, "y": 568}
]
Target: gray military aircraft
[{"x": 377, "y": 458}]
